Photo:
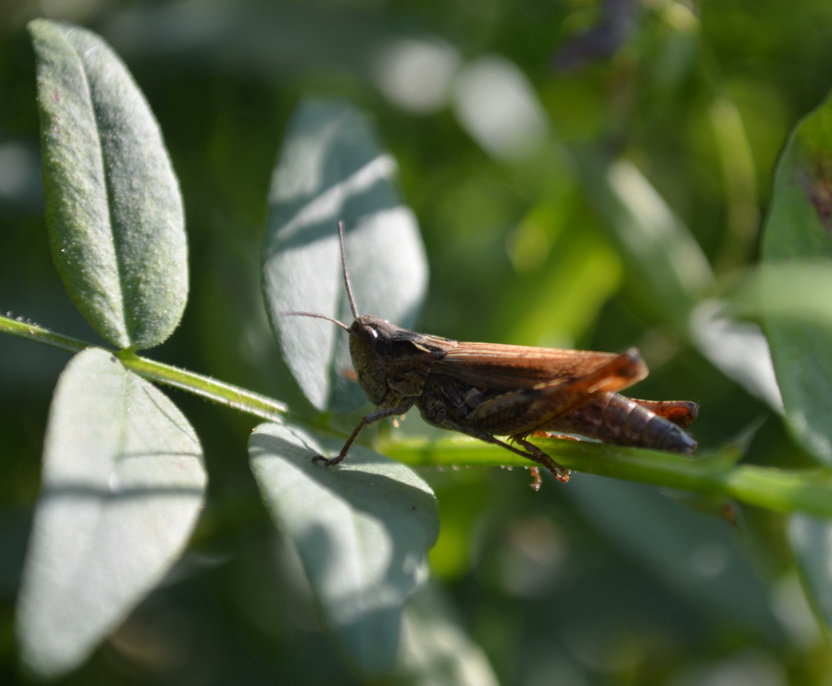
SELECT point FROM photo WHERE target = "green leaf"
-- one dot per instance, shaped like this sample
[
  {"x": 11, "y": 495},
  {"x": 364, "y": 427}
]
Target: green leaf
[
  {"x": 123, "y": 484},
  {"x": 793, "y": 292},
  {"x": 699, "y": 555},
  {"x": 786, "y": 295},
  {"x": 562, "y": 277},
  {"x": 713, "y": 474},
  {"x": 737, "y": 348},
  {"x": 435, "y": 650},
  {"x": 667, "y": 269},
  {"x": 361, "y": 530},
  {"x": 811, "y": 541},
  {"x": 114, "y": 211},
  {"x": 331, "y": 168},
  {"x": 799, "y": 226}
]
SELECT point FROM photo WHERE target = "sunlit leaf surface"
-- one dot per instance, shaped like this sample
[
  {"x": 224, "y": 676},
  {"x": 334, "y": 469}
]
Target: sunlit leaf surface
[
  {"x": 332, "y": 168},
  {"x": 361, "y": 530},
  {"x": 114, "y": 211},
  {"x": 123, "y": 484}
]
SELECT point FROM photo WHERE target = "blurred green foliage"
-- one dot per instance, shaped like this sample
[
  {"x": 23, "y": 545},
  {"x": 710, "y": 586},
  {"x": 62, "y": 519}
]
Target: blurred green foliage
[{"x": 599, "y": 582}]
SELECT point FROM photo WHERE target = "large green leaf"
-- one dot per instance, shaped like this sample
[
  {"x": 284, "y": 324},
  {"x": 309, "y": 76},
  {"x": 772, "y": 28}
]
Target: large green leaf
[
  {"x": 113, "y": 206},
  {"x": 123, "y": 484},
  {"x": 799, "y": 226},
  {"x": 331, "y": 168},
  {"x": 361, "y": 530}
]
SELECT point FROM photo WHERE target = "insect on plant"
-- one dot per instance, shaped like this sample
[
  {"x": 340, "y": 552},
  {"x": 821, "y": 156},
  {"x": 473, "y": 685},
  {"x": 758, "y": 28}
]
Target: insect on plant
[{"x": 486, "y": 390}]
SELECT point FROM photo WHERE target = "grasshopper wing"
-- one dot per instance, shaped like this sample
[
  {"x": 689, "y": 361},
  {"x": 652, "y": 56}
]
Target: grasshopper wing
[{"x": 516, "y": 367}]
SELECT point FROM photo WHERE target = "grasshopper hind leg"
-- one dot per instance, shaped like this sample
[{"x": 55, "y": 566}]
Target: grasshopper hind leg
[
  {"x": 530, "y": 452},
  {"x": 682, "y": 413},
  {"x": 446, "y": 397},
  {"x": 534, "y": 453},
  {"x": 525, "y": 449}
]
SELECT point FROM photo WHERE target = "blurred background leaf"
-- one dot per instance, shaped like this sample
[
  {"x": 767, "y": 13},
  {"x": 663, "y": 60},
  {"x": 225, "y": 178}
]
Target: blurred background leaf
[
  {"x": 671, "y": 271},
  {"x": 332, "y": 169},
  {"x": 811, "y": 540},
  {"x": 434, "y": 651},
  {"x": 695, "y": 553}
]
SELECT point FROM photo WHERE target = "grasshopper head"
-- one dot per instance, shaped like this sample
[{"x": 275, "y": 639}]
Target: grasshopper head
[
  {"x": 391, "y": 362},
  {"x": 370, "y": 349}
]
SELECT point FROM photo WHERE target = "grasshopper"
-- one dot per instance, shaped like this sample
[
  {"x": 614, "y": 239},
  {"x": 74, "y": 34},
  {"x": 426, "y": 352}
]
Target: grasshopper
[{"x": 487, "y": 390}]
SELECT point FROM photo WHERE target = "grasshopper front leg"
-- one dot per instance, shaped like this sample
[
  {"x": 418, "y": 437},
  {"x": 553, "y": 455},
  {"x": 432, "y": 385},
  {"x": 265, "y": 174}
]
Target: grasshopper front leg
[{"x": 379, "y": 413}]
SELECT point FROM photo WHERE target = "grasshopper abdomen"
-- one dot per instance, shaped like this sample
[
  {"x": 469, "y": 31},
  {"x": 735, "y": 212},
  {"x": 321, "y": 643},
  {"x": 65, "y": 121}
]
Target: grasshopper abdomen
[{"x": 614, "y": 418}]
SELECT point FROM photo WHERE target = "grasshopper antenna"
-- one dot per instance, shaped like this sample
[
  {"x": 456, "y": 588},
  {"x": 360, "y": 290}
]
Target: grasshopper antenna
[
  {"x": 347, "y": 283},
  {"x": 318, "y": 316}
]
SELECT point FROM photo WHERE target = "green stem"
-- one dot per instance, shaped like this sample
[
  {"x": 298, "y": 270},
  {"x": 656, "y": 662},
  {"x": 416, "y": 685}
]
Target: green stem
[
  {"x": 715, "y": 475},
  {"x": 808, "y": 490},
  {"x": 218, "y": 391}
]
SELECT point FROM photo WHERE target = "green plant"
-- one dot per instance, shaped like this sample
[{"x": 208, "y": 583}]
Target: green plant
[{"x": 361, "y": 532}]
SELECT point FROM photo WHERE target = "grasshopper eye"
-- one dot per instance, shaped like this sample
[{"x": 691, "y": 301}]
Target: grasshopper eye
[{"x": 368, "y": 333}]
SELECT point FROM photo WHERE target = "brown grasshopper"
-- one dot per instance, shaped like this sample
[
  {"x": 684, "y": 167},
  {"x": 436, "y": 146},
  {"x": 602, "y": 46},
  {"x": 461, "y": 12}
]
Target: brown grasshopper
[{"x": 487, "y": 390}]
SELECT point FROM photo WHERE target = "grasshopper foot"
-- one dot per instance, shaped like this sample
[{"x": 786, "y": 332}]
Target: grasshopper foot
[
  {"x": 561, "y": 474},
  {"x": 558, "y": 471},
  {"x": 327, "y": 461}
]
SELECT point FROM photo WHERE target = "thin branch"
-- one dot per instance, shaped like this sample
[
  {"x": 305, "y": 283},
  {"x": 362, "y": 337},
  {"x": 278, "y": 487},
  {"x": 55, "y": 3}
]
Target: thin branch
[
  {"x": 220, "y": 392},
  {"x": 715, "y": 474}
]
